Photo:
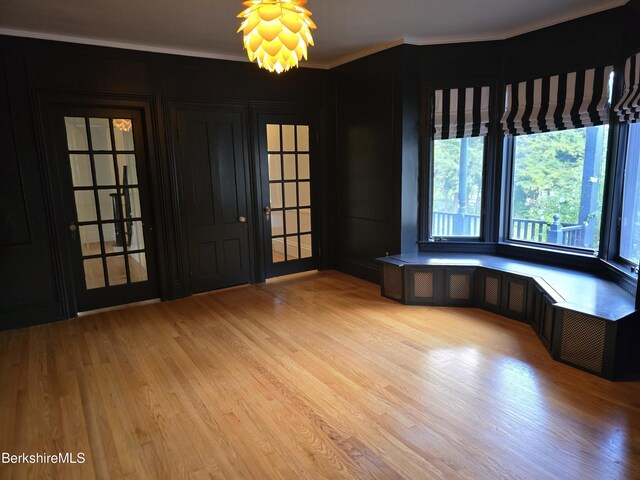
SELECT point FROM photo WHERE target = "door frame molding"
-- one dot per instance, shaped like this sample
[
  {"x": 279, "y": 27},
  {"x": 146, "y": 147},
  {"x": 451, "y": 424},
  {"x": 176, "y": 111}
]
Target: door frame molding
[{"x": 46, "y": 103}]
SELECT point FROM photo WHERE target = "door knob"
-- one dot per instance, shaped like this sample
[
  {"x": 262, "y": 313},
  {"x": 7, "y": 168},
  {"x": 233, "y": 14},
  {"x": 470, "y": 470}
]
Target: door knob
[
  {"x": 267, "y": 212},
  {"x": 242, "y": 219},
  {"x": 72, "y": 229}
]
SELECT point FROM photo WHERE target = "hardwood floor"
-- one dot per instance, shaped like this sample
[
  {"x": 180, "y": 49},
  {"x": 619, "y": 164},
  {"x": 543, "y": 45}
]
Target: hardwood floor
[{"x": 309, "y": 376}]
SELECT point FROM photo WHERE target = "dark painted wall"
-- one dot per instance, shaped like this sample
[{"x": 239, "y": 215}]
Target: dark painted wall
[
  {"x": 30, "y": 285},
  {"x": 632, "y": 17},
  {"x": 365, "y": 104},
  {"x": 409, "y": 143},
  {"x": 461, "y": 62},
  {"x": 27, "y": 278},
  {"x": 594, "y": 40},
  {"x": 377, "y": 132}
]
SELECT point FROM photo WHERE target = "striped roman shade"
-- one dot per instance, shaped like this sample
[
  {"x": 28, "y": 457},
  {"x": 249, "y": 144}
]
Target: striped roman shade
[
  {"x": 460, "y": 112},
  {"x": 560, "y": 102},
  {"x": 628, "y": 108}
]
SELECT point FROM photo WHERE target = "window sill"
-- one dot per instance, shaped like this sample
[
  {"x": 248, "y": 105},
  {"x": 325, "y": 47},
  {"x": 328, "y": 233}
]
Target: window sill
[
  {"x": 547, "y": 248},
  {"x": 577, "y": 260}
]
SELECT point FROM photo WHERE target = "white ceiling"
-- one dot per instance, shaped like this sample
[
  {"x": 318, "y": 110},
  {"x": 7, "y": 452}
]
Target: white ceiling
[{"x": 347, "y": 29}]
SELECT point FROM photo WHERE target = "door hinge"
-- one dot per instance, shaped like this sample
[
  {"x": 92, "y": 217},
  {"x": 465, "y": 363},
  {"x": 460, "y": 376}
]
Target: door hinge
[{"x": 619, "y": 223}]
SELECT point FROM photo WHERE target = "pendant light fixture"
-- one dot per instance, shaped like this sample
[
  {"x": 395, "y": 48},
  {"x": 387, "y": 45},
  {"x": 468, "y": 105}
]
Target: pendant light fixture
[{"x": 276, "y": 33}]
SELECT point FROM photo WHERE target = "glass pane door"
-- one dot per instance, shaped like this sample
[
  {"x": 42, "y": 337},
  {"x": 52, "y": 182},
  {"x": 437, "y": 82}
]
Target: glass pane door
[
  {"x": 102, "y": 158},
  {"x": 288, "y": 156}
]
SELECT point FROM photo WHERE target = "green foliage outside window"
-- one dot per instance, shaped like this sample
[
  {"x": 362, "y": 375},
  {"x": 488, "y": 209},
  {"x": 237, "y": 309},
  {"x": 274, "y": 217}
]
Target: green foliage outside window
[
  {"x": 446, "y": 156},
  {"x": 548, "y": 175},
  {"x": 549, "y": 178}
]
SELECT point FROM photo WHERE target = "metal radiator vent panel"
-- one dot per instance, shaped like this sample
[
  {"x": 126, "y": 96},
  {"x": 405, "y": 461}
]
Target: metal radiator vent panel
[
  {"x": 491, "y": 287},
  {"x": 459, "y": 286},
  {"x": 583, "y": 338},
  {"x": 392, "y": 281},
  {"x": 516, "y": 297},
  {"x": 423, "y": 284}
]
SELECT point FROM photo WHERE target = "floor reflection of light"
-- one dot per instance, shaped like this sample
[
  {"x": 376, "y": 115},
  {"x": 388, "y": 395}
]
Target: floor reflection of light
[
  {"x": 518, "y": 392},
  {"x": 617, "y": 445},
  {"x": 517, "y": 375},
  {"x": 463, "y": 358},
  {"x": 470, "y": 356},
  {"x": 517, "y": 383},
  {"x": 519, "y": 404}
]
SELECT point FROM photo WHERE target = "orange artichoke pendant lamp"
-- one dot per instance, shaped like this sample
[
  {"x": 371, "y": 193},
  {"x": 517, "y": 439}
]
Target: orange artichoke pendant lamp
[{"x": 276, "y": 33}]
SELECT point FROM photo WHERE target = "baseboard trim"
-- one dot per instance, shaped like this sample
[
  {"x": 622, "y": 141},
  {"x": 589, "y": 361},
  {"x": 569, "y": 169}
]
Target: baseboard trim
[
  {"x": 368, "y": 270},
  {"x": 31, "y": 316}
]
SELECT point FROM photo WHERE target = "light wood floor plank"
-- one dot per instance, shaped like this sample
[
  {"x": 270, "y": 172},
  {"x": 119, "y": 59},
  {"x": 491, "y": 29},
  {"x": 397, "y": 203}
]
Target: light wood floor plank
[{"x": 309, "y": 376}]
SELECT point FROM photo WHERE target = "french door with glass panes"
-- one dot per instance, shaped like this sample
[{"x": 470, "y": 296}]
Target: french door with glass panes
[
  {"x": 101, "y": 160},
  {"x": 286, "y": 160}
]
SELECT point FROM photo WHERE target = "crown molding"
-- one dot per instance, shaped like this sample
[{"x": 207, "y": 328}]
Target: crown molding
[
  {"x": 140, "y": 47},
  {"x": 365, "y": 52},
  {"x": 127, "y": 46},
  {"x": 506, "y": 34}
]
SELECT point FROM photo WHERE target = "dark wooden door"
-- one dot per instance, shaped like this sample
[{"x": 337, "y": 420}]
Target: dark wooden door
[
  {"x": 106, "y": 225},
  {"x": 286, "y": 145},
  {"x": 214, "y": 184}
]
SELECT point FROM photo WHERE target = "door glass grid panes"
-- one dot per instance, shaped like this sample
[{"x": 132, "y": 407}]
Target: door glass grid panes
[
  {"x": 102, "y": 160},
  {"x": 290, "y": 191}
]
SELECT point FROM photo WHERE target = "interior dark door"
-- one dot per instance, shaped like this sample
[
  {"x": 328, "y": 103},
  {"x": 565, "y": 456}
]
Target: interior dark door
[
  {"x": 104, "y": 194},
  {"x": 286, "y": 156},
  {"x": 212, "y": 162}
]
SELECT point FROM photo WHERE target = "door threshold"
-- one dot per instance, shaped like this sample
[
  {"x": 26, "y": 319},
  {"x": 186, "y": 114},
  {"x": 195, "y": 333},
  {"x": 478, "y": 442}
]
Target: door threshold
[
  {"x": 292, "y": 276},
  {"x": 118, "y": 307},
  {"x": 223, "y": 289}
]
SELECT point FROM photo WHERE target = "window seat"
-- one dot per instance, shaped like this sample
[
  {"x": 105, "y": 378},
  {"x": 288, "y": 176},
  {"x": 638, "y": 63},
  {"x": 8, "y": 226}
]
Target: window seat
[{"x": 581, "y": 318}]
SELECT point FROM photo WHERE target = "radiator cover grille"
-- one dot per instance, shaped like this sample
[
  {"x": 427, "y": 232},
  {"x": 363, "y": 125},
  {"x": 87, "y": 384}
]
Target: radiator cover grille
[
  {"x": 491, "y": 290},
  {"x": 516, "y": 297},
  {"x": 459, "y": 286},
  {"x": 423, "y": 284},
  {"x": 583, "y": 341}
]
